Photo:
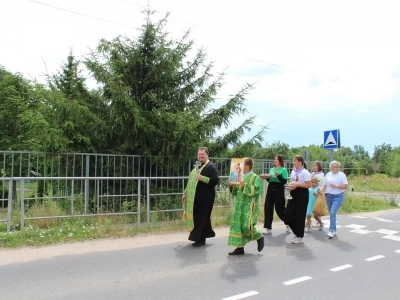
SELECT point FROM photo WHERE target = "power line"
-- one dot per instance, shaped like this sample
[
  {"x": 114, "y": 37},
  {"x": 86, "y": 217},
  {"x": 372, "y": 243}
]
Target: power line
[
  {"x": 243, "y": 56},
  {"x": 278, "y": 66},
  {"x": 81, "y": 14},
  {"x": 223, "y": 51}
]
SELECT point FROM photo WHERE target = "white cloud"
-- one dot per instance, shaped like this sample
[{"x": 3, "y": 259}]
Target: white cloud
[{"x": 352, "y": 50}]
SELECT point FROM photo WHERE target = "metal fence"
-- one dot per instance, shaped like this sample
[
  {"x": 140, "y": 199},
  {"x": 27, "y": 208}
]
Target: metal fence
[
  {"x": 40, "y": 164},
  {"x": 93, "y": 197},
  {"x": 83, "y": 184}
]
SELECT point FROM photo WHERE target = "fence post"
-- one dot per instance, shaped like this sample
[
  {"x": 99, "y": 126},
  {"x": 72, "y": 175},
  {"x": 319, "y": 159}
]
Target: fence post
[
  {"x": 10, "y": 204},
  {"x": 138, "y": 201},
  {"x": 21, "y": 190},
  {"x": 72, "y": 197},
  {"x": 183, "y": 203},
  {"x": 87, "y": 183},
  {"x": 98, "y": 195},
  {"x": 148, "y": 199}
]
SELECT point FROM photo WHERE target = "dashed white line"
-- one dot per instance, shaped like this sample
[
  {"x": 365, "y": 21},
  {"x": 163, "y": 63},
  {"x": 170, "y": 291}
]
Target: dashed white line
[
  {"x": 392, "y": 237},
  {"x": 386, "y": 231},
  {"x": 355, "y": 226},
  {"x": 241, "y": 296},
  {"x": 297, "y": 280},
  {"x": 375, "y": 258},
  {"x": 360, "y": 231},
  {"x": 359, "y": 217},
  {"x": 341, "y": 268},
  {"x": 397, "y": 251},
  {"x": 384, "y": 220}
]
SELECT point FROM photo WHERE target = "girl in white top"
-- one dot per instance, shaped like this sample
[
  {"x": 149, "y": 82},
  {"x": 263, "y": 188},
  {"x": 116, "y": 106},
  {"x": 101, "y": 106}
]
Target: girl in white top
[
  {"x": 319, "y": 175},
  {"x": 296, "y": 208},
  {"x": 334, "y": 185}
]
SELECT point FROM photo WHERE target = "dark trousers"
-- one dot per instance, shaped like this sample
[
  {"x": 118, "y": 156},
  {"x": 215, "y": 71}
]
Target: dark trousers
[
  {"x": 296, "y": 210},
  {"x": 275, "y": 198}
]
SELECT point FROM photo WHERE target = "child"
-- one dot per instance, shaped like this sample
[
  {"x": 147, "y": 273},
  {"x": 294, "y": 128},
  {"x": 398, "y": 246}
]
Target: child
[{"x": 312, "y": 198}]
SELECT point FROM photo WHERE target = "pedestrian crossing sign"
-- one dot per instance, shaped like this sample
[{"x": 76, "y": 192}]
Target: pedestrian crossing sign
[{"x": 332, "y": 139}]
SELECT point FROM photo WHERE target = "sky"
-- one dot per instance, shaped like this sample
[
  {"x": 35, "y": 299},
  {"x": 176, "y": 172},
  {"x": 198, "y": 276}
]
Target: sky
[{"x": 316, "y": 65}]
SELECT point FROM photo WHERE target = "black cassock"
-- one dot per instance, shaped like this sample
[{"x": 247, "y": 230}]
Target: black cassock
[{"x": 203, "y": 205}]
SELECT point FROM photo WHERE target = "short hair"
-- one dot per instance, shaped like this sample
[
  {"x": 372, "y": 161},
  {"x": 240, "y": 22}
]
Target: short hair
[
  {"x": 334, "y": 163},
  {"x": 248, "y": 161},
  {"x": 203, "y": 149},
  {"x": 314, "y": 179},
  {"x": 318, "y": 164},
  {"x": 280, "y": 159}
]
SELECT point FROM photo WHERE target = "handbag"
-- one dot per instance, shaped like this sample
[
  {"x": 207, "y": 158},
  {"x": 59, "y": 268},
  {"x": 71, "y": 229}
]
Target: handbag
[{"x": 320, "y": 206}]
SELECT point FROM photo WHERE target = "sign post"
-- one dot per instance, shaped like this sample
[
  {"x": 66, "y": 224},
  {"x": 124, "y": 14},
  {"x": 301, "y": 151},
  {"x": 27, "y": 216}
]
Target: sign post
[{"x": 331, "y": 141}]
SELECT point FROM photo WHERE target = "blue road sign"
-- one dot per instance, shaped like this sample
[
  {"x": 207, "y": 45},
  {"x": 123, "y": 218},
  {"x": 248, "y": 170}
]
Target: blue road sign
[{"x": 332, "y": 139}]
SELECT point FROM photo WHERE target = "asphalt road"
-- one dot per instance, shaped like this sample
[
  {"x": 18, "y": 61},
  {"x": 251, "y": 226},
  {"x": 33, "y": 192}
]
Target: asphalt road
[{"x": 363, "y": 262}]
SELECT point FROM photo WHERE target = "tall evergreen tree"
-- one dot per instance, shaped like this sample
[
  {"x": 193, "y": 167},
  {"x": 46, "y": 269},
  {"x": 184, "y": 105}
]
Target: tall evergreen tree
[
  {"x": 16, "y": 102},
  {"x": 160, "y": 101},
  {"x": 82, "y": 115}
]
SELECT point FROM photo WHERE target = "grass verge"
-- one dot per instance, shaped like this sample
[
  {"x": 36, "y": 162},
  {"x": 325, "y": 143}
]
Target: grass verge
[{"x": 47, "y": 231}]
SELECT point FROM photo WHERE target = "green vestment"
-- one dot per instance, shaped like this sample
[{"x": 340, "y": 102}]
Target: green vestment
[{"x": 246, "y": 206}]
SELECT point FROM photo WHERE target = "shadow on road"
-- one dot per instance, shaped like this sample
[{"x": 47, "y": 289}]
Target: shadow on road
[
  {"x": 336, "y": 241},
  {"x": 189, "y": 255},
  {"x": 240, "y": 267},
  {"x": 342, "y": 245},
  {"x": 277, "y": 240}
]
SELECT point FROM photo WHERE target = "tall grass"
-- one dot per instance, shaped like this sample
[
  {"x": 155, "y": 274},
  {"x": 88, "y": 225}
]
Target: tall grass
[
  {"x": 353, "y": 203},
  {"x": 375, "y": 183},
  {"x": 50, "y": 231}
]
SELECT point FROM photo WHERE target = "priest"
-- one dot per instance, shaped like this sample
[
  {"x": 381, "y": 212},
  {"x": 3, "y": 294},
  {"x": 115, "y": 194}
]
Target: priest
[{"x": 199, "y": 197}]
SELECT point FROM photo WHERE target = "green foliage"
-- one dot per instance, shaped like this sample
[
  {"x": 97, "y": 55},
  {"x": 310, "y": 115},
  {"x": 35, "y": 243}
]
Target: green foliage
[
  {"x": 82, "y": 115},
  {"x": 16, "y": 106},
  {"x": 376, "y": 183},
  {"x": 380, "y": 151},
  {"x": 354, "y": 203},
  {"x": 390, "y": 164},
  {"x": 360, "y": 153},
  {"x": 160, "y": 102},
  {"x": 271, "y": 150},
  {"x": 316, "y": 152}
]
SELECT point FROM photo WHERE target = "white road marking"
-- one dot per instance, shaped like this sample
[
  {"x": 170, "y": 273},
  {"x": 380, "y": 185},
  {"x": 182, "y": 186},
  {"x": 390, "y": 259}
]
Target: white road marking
[
  {"x": 328, "y": 221},
  {"x": 375, "y": 258},
  {"x": 341, "y": 268},
  {"x": 360, "y": 217},
  {"x": 355, "y": 226},
  {"x": 392, "y": 237},
  {"x": 383, "y": 220},
  {"x": 241, "y": 296},
  {"x": 386, "y": 231},
  {"x": 360, "y": 231},
  {"x": 297, "y": 280},
  {"x": 397, "y": 251}
]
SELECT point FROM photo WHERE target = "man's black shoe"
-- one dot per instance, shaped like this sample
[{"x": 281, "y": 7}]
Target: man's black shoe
[
  {"x": 260, "y": 244},
  {"x": 237, "y": 251},
  {"x": 198, "y": 244}
]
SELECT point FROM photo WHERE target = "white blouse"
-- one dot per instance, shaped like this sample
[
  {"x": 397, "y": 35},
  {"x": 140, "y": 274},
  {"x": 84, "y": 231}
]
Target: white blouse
[
  {"x": 301, "y": 176},
  {"x": 338, "y": 178}
]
